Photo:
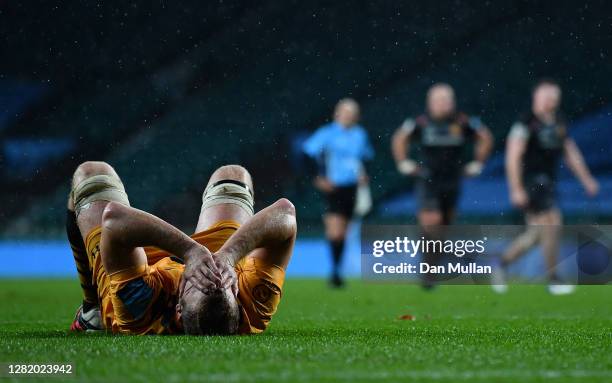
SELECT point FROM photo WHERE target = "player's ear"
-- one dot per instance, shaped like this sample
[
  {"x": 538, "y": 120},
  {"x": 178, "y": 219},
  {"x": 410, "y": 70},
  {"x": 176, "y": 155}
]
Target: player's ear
[
  {"x": 179, "y": 312},
  {"x": 181, "y": 287}
]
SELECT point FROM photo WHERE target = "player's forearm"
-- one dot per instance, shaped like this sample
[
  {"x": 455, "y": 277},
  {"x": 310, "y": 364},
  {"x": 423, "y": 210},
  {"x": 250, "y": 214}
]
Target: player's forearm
[
  {"x": 515, "y": 179},
  {"x": 576, "y": 162},
  {"x": 400, "y": 143},
  {"x": 484, "y": 145},
  {"x": 513, "y": 169},
  {"x": 270, "y": 227},
  {"x": 136, "y": 228}
]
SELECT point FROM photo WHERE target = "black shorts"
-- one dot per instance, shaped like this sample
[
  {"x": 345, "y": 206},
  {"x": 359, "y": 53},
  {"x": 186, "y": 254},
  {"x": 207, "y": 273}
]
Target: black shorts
[
  {"x": 437, "y": 194},
  {"x": 541, "y": 191},
  {"x": 342, "y": 200}
]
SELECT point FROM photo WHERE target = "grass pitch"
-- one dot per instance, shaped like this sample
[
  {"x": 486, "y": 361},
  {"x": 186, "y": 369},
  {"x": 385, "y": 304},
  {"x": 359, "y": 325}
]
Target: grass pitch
[{"x": 463, "y": 333}]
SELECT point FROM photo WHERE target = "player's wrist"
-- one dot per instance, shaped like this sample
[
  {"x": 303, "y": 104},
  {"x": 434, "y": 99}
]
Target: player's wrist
[
  {"x": 406, "y": 166},
  {"x": 474, "y": 168},
  {"x": 226, "y": 257},
  {"x": 188, "y": 250}
]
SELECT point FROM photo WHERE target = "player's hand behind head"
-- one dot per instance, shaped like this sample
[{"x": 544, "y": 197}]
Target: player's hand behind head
[
  {"x": 229, "y": 279},
  {"x": 200, "y": 269}
]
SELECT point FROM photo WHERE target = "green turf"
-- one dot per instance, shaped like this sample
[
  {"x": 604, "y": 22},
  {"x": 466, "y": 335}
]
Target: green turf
[{"x": 463, "y": 333}]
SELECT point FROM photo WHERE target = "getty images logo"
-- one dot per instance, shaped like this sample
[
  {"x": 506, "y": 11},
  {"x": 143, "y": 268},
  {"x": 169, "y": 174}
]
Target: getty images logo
[{"x": 411, "y": 247}]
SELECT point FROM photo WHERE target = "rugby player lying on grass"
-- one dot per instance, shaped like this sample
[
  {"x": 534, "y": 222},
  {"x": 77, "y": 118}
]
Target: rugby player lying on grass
[{"x": 141, "y": 275}]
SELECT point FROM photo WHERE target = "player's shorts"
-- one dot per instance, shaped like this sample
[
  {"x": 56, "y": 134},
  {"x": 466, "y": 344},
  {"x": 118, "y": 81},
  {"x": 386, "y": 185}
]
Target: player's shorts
[
  {"x": 342, "y": 200},
  {"x": 441, "y": 195},
  {"x": 143, "y": 300},
  {"x": 542, "y": 194}
]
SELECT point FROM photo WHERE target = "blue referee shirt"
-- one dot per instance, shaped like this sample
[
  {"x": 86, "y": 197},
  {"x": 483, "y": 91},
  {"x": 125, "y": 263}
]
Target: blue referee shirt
[{"x": 342, "y": 149}]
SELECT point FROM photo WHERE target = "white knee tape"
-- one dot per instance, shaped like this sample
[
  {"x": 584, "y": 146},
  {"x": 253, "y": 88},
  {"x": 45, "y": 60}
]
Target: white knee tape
[
  {"x": 226, "y": 192},
  {"x": 98, "y": 188}
]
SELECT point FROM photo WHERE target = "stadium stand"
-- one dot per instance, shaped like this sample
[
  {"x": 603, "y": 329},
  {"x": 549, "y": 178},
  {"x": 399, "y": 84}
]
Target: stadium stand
[{"x": 199, "y": 106}]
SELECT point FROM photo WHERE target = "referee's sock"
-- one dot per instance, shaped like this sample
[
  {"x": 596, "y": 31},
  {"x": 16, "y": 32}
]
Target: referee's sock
[{"x": 337, "y": 250}]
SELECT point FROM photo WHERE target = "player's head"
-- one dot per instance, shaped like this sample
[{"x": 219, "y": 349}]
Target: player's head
[
  {"x": 215, "y": 312},
  {"x": 346, "y": 112},
  {"x": 546, "y": 96},
  {"x": 440, "y": 101}
]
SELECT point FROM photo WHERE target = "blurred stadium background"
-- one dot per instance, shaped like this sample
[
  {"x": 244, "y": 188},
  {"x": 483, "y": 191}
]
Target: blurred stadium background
[{"x": 246, "y": 82}]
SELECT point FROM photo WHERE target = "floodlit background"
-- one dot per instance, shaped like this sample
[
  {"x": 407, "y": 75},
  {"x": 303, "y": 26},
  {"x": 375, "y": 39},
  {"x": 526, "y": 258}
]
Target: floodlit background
[{"x": 245, "y": 82}]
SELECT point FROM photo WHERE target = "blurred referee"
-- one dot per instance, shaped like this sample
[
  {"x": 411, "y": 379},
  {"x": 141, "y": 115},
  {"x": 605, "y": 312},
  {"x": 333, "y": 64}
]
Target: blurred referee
[{"x": 339, "y": 149}]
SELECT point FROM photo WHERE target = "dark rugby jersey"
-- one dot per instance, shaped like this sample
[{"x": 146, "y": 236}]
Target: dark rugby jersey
[
  {"x": 443, "y": 143},
  {"x": 545, "y": 144}
]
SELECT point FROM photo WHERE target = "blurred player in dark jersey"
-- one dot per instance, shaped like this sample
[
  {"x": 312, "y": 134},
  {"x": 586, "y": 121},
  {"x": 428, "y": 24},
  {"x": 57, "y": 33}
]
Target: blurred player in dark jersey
[
  {"x": 443, "y": 133},
  {"x": 535, "y": 144}
]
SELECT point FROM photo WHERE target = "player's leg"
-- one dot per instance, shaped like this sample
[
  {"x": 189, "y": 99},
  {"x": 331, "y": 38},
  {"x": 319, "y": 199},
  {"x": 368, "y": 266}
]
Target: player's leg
[
  {"x": 519, "y": 247},
  {"x": 336, "y": 226},
  {"x": 430, "y": 221},
  {"x": 92, "y": 184},
  {"x": 89, "y": 179},
  {"x": 430, "y": 201},
  {"x": 430, "y": 218},
  {"x": 537, "y": 216},
  {"x": 79, "y": 253},
  {"x": 228, "y": 197},
  {"x": 526, "y": 240},
  {"x": 550, "y": 241},
  {"x": 89, "y": 216},
  {"x": 448, "y": 205},
  {"x": 338, "y": 214},
  {"x": 126, "y": 293},
  {"x": 542, "y": 218}
]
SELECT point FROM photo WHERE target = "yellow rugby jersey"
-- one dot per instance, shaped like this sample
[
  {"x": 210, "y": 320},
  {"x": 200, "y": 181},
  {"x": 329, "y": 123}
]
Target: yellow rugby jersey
[{"x": 143, "y": 300}]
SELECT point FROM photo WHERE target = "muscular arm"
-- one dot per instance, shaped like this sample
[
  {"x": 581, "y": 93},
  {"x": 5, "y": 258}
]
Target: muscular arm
[
  {"x": 126, "y": 230},
  {"x": 484, "y": 144},
  {"x": 515, "y": 149},
  {"x": 132, "y": 228},
  {"x": 271, "y": 228},
  {"x": 576, "y": 163},
  {"x": 400, "y": 143}
]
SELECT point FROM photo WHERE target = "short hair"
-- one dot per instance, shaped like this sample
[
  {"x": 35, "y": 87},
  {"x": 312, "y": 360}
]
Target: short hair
[
  {"x": 213, "y": 313},
  {"x": 440, "y": 85},
  {"x": 348, "y": 102},
  {"x": 549, "y": 81}
]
